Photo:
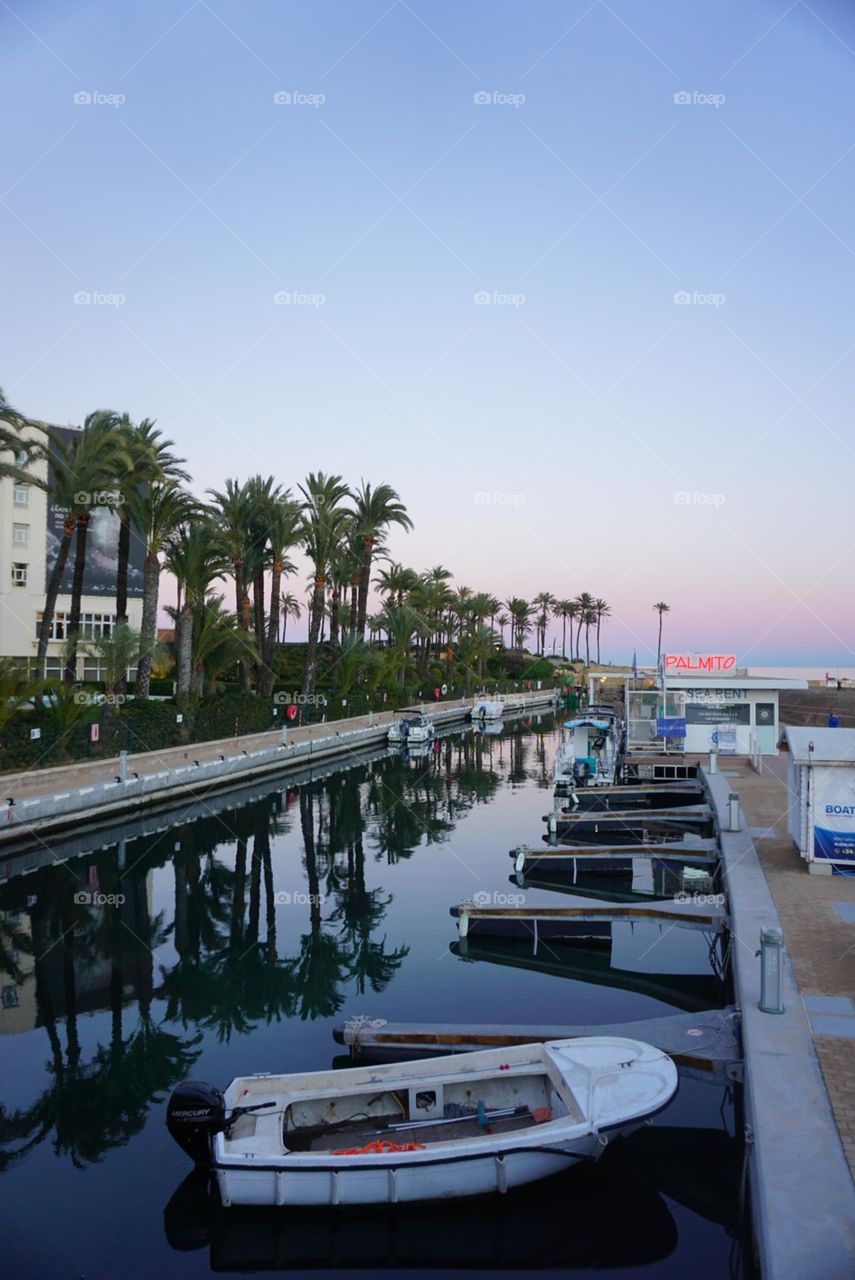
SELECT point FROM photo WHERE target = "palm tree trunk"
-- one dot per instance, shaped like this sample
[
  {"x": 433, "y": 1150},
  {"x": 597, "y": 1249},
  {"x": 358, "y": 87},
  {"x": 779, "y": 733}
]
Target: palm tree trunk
[
  {"x": 564, "y": 636},
  {"x": 242, "y": 611},
  {"x": 659, "y": 644},
  {"x": 76, "y": 599},
  {"x": 364, "y": 584},
  {"x": 52, "y": 593},
  {"x": 587, "y": 645},
  {"x": 598, "y": 639},
  {"x": 184, "y": 642},
  {"x": 316, "y": 614},
  {"x": 354, "y": 601},
  {"x": 122, "y": 568},
  {"x": 148, "y": 626},
  {"x": 335, "y": 600},
  {"x": 579, "y": 637},
  {"x": 258, "y": 619},
  {"x": 272, "y": 628}
]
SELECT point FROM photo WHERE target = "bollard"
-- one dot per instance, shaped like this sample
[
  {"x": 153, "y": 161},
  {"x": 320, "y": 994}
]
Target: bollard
[
  {"x": 553, "y": 826},
  {"x": 123, "y": 766},
  {"x": 733, "y": 807},
  {"x": 713, "y": 761},
  {"x": 771, "y": 971},
  {"x": 284, "y": 734}
]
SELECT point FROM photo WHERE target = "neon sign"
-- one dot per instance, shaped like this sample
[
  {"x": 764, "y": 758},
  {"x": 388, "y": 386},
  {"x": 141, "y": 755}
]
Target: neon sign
[{"x": 713, "y": 663}]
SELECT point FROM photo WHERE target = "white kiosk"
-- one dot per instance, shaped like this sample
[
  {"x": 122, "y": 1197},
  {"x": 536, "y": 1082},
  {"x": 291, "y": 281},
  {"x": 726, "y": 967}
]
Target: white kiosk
[{"x": 821, "y": 784}]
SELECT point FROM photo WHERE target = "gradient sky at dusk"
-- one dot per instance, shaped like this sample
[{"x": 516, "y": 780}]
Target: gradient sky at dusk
[{"x": 592, "y": 433}]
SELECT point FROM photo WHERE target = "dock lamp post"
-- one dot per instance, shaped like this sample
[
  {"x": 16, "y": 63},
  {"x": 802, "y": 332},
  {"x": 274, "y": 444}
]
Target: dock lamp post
[
  {"x": 771, "y": 955},
  {"x": 733, "y": 811}
]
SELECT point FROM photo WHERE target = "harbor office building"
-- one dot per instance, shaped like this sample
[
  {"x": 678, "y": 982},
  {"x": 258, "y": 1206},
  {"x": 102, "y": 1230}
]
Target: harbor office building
[
  {"x": 708, "y": 704},
  {"x": 30, "y": 533}
]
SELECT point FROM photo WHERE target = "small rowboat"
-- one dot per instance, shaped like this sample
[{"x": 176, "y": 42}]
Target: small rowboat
[{"x": 425, "y": 1130}]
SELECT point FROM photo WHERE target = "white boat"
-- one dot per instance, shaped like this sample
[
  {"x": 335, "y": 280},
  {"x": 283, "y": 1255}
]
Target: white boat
[
  {"x": 588, "y": 753},
  {"x": 411, "y": 728},
  {"x": 444, "y": 1127},
  {"x": 488, "y": 709}
]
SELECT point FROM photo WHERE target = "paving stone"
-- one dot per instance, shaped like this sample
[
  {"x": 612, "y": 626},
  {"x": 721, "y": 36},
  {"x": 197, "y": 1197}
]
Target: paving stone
[
  {"x": 846, "y": 911},
  {"x": 829, "y": 1004},
  {"x": 829, "y": 1026}
]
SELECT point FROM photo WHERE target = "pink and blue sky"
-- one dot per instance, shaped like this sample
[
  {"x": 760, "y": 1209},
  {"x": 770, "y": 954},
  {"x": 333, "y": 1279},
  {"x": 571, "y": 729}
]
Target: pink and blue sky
[{"x": 655, "y": 400}]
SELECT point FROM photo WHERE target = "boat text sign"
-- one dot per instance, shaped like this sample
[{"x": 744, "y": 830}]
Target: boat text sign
[{"x": 670, "y": 727}]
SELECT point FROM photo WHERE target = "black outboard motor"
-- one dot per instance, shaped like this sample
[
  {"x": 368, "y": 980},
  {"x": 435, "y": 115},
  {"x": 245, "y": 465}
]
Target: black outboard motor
[{"x": 196, "y": 1112}]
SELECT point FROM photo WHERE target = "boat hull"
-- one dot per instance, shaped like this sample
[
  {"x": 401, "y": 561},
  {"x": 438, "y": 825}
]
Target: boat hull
[{"x": 382, "y": 1181}]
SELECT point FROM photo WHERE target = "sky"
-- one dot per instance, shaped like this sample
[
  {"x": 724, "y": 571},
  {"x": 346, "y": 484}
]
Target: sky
[{"x": 574, "y": 277}]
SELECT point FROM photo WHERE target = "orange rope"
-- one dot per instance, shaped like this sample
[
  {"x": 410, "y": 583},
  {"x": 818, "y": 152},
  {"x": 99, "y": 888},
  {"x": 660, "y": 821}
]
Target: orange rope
[{"x": 381, "y": 1146}]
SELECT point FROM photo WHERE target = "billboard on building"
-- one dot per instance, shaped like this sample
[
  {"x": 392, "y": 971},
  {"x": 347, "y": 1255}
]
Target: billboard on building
[
  {"x": 834, "y": 814},
  {"x": 102, "y": 546}
]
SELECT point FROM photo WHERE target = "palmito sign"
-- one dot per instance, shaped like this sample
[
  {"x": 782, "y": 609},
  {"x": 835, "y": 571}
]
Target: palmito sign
[{"x": 694, "y": 663}]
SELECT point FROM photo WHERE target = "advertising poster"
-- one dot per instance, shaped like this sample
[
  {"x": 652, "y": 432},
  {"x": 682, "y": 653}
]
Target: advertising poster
[
  {"x": 834, "y": 814},
  {"x": 102, "y": 548}
]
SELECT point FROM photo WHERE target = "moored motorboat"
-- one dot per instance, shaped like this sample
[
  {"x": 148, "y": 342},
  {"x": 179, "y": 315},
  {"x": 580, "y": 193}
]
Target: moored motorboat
[
  {"x": 488, "y": 709},
  {"x": 425, "y": 1130},
  {"x": 587, "y": 755},
  {"x": 412, "y": 728}
]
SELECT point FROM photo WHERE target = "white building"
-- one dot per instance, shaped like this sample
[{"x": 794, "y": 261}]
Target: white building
[
  {"x": 28, "y": 546},
  {"x": 708, "y": 704},
  {"x": 821, "y": 791}
]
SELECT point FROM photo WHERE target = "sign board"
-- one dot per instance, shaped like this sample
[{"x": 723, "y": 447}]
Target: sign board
[
  {"x": 444, "y": 690},
  {"x": 722, "y": 713},
  {"x": 678, "y": 664},
  {"x": 35, "y": 734},
  {"x": 94, "y": 732},
  {"x": 833, "y": 815},
  {"x": 670, "y": 727},
  {"x": 723, "y": 739}
]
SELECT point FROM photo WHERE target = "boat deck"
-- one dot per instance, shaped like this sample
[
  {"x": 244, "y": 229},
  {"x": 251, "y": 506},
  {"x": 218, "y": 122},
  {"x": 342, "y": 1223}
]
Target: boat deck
[{"x": 442, "y": 1131}]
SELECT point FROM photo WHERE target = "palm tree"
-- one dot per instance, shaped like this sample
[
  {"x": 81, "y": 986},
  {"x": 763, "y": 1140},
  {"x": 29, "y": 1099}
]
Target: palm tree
[
  {"x": 323, "y": 524},
  {"x": 217, "y": 646},
  {"x": 502, "y": 621},
  {"x": 157, "y": 512},
  {"x": 196, "y": 559},
  {"x": 97, "y": 456},
  {"x": 601, "y": 610},
  {"x": 233, "y": 516},
  {"x": 374, "y": 511},
  {"x": 149, "y": 461},
  {"x": 521, "y": 614},
  {"x": 565, "y": 609},
  {"x": 546, "y": 601},
  {"x": 289, "y": 607},
  {"x": 283, "y": 520},
  {"x": 16, "y": 689},
  {"x": 661, "y": 608},
  {"x": 584, "y": 604},
  {"x": 396, "y": 581},
  {"x": 24, "y": 451},
  {"x": 478, "y": 645}
]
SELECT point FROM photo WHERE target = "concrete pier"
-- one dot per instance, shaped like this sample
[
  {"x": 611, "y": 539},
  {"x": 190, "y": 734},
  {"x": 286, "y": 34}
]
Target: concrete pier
[{"x": 803, "y": 1198}]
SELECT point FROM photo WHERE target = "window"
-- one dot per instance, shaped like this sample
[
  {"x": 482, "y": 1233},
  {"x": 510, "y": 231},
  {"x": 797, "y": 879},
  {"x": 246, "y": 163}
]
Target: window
[
  {"x": 93, "y": 625},
  {"x": 54, "y": 668},
  {"x": 22, "y": 495},
  {"x": 58, "y": 624},
  {"x": 21, "y": 535},
  {"x": 19, "y": 575}
]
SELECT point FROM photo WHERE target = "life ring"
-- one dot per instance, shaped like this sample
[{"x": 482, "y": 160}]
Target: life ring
[{"x": 291, "y": 711}]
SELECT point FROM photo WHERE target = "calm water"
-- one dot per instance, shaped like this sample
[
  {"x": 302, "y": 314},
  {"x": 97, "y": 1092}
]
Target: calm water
[{"x": 249, "y": 929}]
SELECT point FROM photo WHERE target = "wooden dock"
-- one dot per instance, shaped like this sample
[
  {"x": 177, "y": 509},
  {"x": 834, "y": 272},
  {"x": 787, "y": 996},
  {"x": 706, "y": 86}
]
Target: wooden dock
[
  {"x": 703, "y": 1045},
  {"x": 573, "y": 922},
  {"x": 689, "y": 815},
  {"x": 701, "y": 853}
]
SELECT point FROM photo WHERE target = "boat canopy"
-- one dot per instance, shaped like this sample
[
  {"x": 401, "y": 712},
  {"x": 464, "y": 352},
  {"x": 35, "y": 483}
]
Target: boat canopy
[{"x": 587, "y": 720}]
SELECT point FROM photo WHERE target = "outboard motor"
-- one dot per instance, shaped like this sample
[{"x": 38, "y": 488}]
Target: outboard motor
[{"x": 196, "y": 1112}]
